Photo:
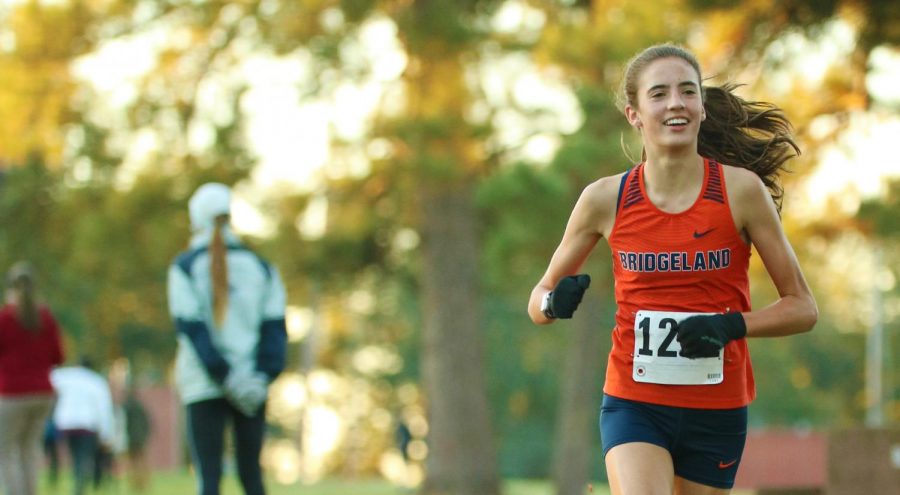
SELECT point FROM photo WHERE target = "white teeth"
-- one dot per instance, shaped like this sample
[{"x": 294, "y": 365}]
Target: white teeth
[{"x": 676, "y": 122}]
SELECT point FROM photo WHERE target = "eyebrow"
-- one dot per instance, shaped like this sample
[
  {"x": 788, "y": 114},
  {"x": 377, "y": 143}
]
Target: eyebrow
[{"x": 664, "y": 86}]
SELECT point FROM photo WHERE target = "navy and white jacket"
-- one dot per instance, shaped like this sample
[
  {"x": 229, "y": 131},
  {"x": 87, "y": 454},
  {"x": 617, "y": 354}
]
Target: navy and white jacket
[{"x": 253, "y": 336}]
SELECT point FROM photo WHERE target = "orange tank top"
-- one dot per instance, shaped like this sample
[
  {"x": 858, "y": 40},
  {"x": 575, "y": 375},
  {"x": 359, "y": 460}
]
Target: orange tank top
[{"x": 693, "y": 261}]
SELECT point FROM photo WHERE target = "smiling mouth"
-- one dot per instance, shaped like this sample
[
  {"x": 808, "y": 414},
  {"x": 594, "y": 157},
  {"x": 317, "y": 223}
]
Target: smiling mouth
[{"x": 676, "y": 122}]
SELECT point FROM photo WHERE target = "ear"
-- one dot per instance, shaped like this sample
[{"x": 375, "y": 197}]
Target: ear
[{"x": 633, "y": 118}]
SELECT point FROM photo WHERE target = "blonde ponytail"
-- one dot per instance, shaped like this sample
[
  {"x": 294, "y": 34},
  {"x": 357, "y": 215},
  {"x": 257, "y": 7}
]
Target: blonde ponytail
[{"x": 219, "y": 270}]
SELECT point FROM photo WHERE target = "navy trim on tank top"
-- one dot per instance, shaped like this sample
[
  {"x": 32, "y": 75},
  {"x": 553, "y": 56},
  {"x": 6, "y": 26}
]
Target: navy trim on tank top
[
  {"x": 633, "y": 194},
  {"x": 622, "y": 188},
  {"x": 714, "y": 190}
]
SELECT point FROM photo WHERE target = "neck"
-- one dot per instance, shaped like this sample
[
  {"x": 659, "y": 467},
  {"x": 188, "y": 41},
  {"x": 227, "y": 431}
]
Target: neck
[
  {"x": 674, "y": 171},
  {"x": 670, "y": 155},
  {"x": 673, "y": 182}
]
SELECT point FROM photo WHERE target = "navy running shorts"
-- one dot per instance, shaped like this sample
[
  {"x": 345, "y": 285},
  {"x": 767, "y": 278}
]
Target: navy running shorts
[{"x": 705, "y": 444}]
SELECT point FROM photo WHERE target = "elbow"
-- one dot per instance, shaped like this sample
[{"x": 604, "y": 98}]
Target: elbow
[
  {"x": 813, "y": 317},
  {"x": 810, "y": 316}
]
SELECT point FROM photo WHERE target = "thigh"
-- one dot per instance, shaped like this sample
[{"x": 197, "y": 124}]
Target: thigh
[
  {"x": 639, "y": 467},
  {"x": 9, "y": 418},
  {"x": 636, "y": 442},
  {"x": 709, "y": 449},
  {"x": 625, "y": 421},
  {"x": 82, "y": 448},
  {"x": 686, "y": 487},
  {"x": 36, "y": 419},
  {"x": 248, "y": 436},
  {"x": 206, "y": 431}
]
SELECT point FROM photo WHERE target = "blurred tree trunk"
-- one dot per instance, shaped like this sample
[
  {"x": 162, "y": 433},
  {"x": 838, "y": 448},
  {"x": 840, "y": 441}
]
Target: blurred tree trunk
[
  {"x": 461, "y": 447},
  {"x": 446, "y": 155},
  {"x": 577, "y": 430}
]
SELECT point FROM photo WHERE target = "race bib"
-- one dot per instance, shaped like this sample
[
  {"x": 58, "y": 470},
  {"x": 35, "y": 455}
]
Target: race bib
[{"x": 656, "y": 358}]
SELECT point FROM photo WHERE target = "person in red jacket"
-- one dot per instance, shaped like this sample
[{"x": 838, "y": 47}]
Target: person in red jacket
[
  {"x": 29, "y": 347},
  {"x": 680, "y": 226}
]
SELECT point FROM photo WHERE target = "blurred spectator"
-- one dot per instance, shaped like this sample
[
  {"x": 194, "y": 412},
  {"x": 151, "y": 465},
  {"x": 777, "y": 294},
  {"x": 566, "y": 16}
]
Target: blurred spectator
[
  {"x": 228, "y": 306},
  {"x": 404, "y": 437},
  {"x": 29, "y": 348},
  {"x": 51, "y": 450},
  {"x": 137, "y": 432},
  {"x": 84, "y": 416},
  {"x": 104, "y": 461}
]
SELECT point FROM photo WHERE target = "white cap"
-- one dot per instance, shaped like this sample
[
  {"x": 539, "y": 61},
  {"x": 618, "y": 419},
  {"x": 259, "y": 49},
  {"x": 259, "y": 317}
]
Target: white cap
[{"x": 208, "y": 202}]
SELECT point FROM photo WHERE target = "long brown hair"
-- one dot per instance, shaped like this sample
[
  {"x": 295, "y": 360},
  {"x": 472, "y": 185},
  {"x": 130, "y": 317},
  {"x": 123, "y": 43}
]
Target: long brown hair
[
  {"x": 21, "y": 280},
  {"x": 750, "y": 134},
  {"x": 219, "y": 271}
]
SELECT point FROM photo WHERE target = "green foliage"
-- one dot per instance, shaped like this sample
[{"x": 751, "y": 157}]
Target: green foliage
[
  {"x": 524, "y": 209},
  {"x": 169, "y": 482},
  {"x": 879, "y": 215},
  {"x": 809, "y": 380},
  {"x": 26, "y": 203},
  {"x": 435, "y": 27},
  {"x": 102, "y": 236},
  {"x": 524, "y": 376}
]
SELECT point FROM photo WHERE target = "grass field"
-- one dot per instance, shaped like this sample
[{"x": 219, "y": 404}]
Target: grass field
[{"x": 182, "y": 483}]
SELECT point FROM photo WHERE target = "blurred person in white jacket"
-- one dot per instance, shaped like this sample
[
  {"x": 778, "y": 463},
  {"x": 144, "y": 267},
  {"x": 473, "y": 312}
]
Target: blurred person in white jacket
[
  {"x": 227, "y": 304},
  {"x": 85, "y": 417}
]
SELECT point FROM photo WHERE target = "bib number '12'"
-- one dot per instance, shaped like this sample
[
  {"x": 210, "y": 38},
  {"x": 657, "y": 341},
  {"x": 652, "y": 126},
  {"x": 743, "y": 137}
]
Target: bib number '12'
[{"x": 656, "y": 358}]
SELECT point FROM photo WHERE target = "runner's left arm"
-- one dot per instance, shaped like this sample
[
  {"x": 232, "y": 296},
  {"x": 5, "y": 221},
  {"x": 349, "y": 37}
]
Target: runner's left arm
[{"x": 795, "y": 309}]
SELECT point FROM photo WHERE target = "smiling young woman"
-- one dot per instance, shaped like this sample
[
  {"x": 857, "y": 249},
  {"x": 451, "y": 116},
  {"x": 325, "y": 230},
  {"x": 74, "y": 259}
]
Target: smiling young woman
[{"x": 680, "y": 226}]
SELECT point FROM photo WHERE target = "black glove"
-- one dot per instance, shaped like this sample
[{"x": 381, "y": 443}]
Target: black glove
[
  {"x": 566, "y": 297},
  {"x": 703, "y": 336}
]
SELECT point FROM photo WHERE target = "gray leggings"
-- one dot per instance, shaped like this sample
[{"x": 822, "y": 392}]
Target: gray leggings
[
  {"x": 206, "y": 433},
  {"x": 21, "y": 428}
]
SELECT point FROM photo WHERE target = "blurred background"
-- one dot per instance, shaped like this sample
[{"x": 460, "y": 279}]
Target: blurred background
[{"x": 410, "y": 165}]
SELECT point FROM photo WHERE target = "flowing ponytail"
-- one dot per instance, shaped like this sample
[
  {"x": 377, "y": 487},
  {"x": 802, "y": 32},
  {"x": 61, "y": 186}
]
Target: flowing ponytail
[
  {"x": 748, "y": 134},
  {"x": 21, "y": 280},
  {"x": 219, "y": 271}
]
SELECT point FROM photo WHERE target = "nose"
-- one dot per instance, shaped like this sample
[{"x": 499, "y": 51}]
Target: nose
[{"x": 675, "y": 101}]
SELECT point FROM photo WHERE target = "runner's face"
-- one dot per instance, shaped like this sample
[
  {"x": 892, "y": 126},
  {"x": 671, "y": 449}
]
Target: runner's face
[{"x": 669, "y": 106}]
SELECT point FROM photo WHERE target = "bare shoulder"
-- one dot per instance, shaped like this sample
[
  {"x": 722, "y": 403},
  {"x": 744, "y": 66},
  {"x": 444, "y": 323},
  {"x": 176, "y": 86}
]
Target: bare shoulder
[
  {"x": 750, "y": 201},
  {"x": 744, "y": 186},
  {"x": 599, "y": 202},
  {"x": 605, "y": 189}
]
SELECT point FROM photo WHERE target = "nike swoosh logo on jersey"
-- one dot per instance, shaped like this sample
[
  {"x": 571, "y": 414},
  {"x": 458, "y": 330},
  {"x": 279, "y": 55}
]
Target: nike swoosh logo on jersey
[
  {"x": 698, "y": 235},
  {"x": 726, "y": 465}
]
